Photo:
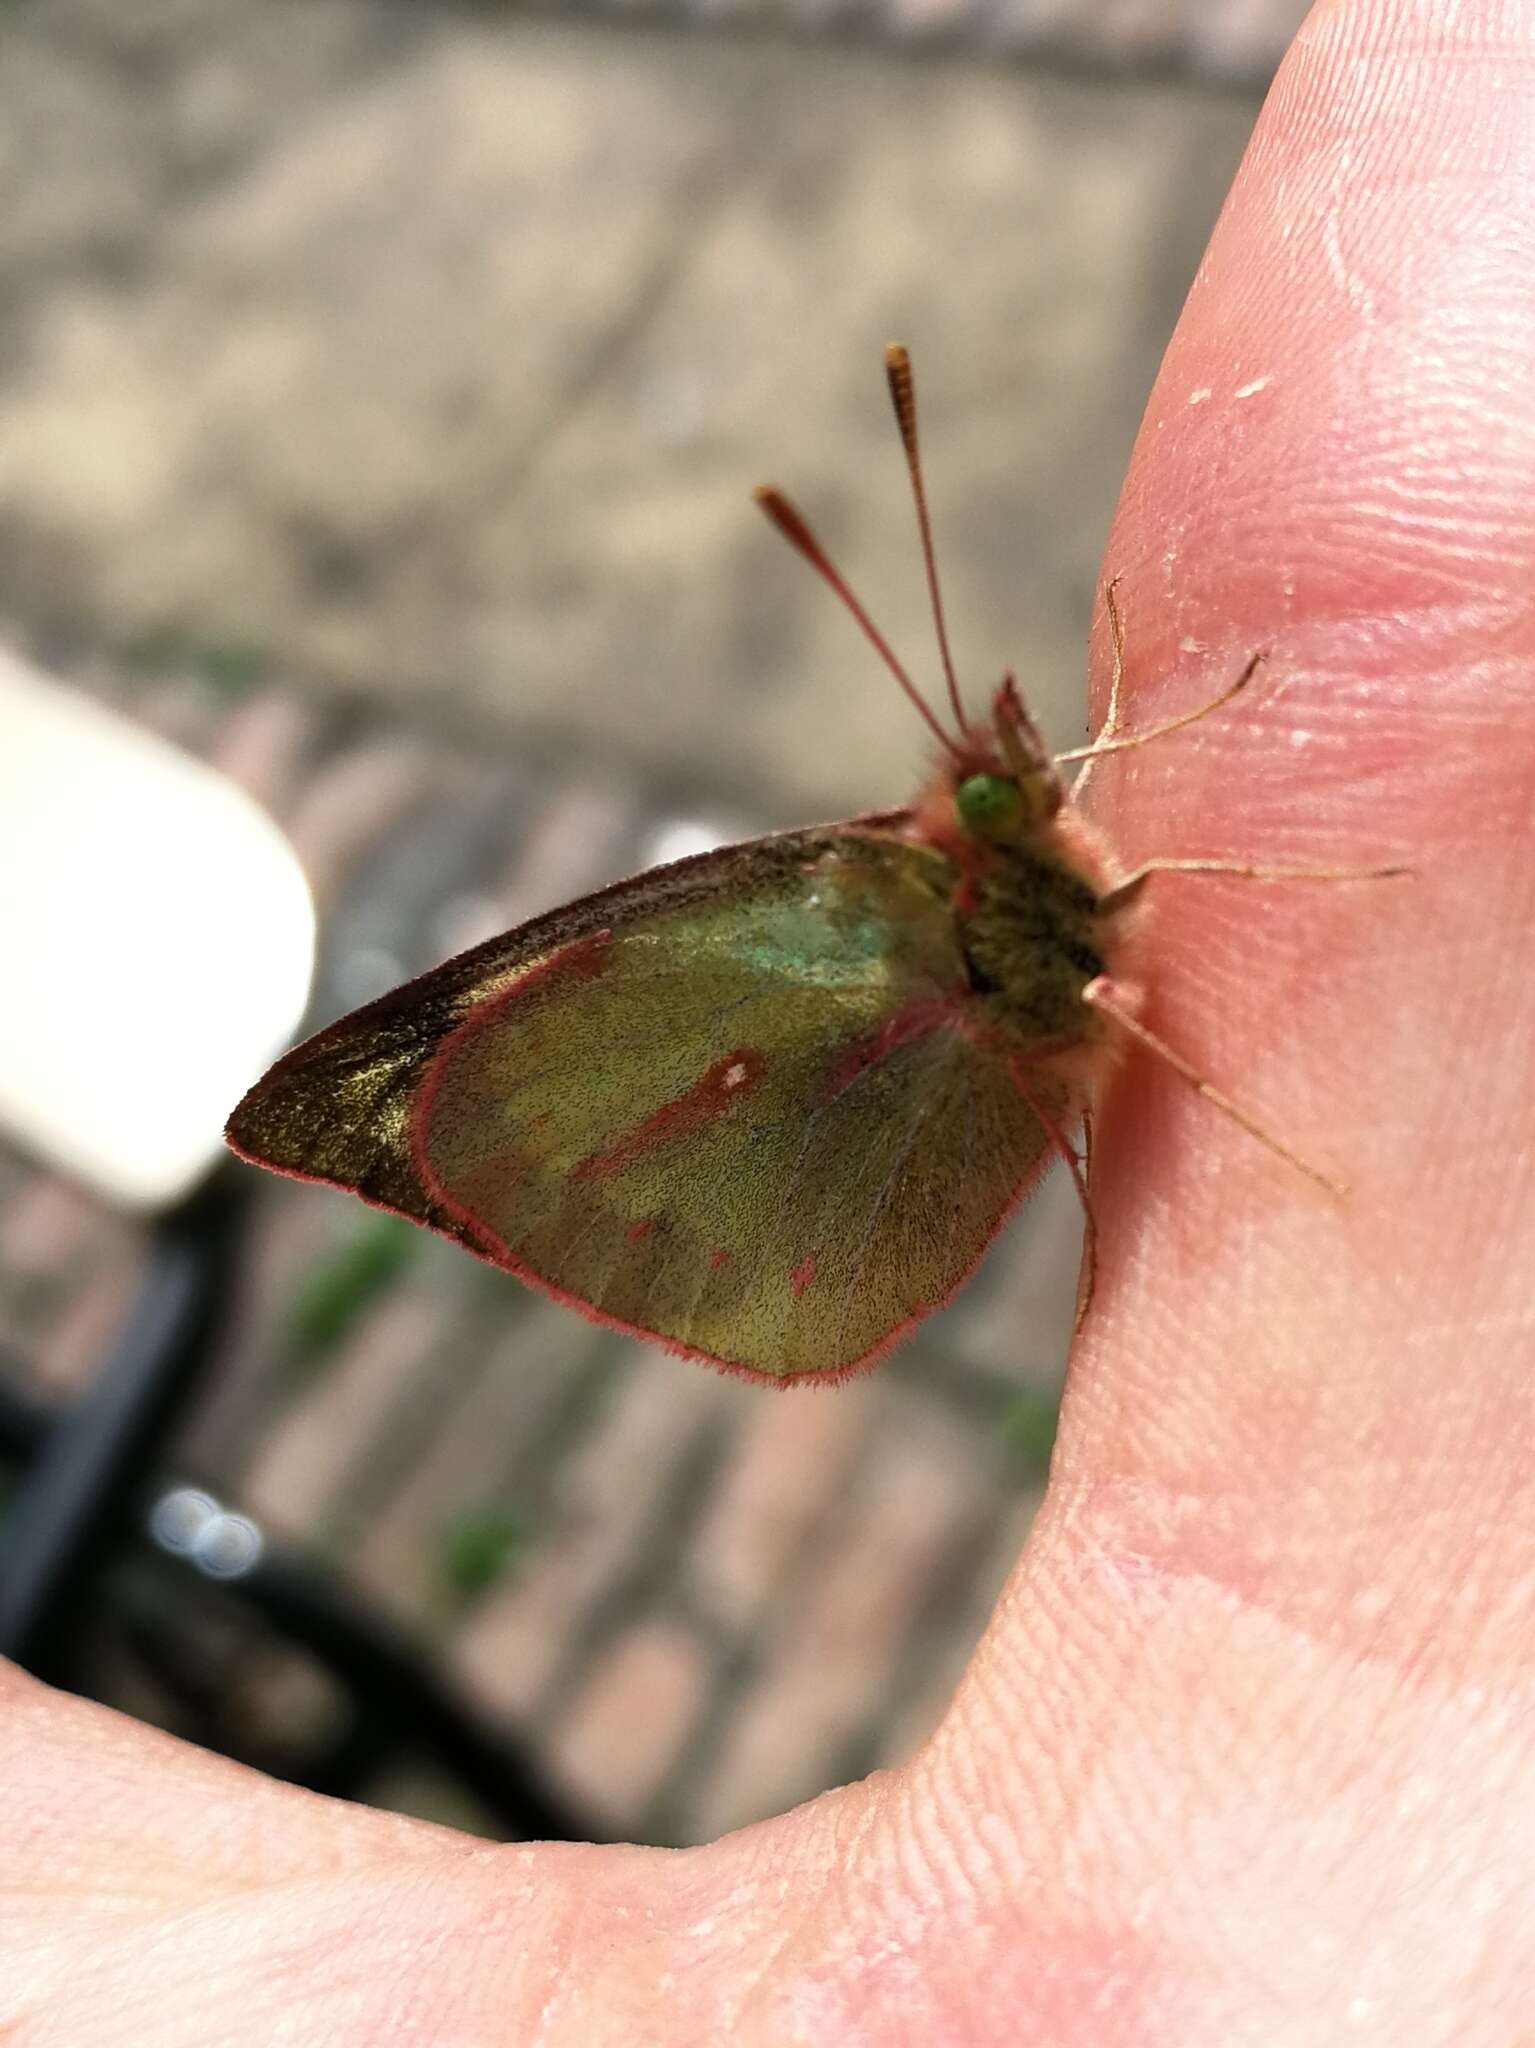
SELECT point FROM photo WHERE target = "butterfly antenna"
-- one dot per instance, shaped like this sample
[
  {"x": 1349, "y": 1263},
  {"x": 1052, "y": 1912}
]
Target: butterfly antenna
[
  {"x": 791, "y": 524},
  {"x": 903, "y": 396}
]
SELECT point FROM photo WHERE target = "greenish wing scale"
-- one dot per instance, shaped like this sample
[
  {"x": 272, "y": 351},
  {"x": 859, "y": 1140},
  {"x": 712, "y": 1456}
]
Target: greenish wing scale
[{"x": 745, "y": 1105}]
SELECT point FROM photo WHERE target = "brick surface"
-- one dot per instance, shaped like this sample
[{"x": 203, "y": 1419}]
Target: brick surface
[
  {"x": 838, "y": 1644},
  {"x": 353, "y": 397},
  {"x": 293, "y": 1480},
  {"x": 46, "y": 1226},
  {"x": 629, "y": 1720},
  {"x": 249, "y": 1393},
  {"x": 575, "y": 841},
  {"x": 784, "y": 1472},
  {"x": 352, "y": 802},
  {"x": 616, "y": 1489},
  {"x": 66, "y": 1355},
  {"x": 262, "y": 745},
  {"x": 181, "y": 710},
  {"x": 498, "y": 1396}
]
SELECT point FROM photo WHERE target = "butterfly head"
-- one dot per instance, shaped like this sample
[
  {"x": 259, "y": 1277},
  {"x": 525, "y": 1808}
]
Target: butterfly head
[{"x": 1009, "y": 787}]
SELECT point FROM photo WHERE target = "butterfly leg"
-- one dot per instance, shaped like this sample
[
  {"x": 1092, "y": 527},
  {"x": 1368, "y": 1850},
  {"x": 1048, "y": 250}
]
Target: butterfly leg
[
  {"x": 1089, "y": 1274},
  {"x": 1110, "y": 725},
  {"x": 1124, "y": 891},
  {"x": 1111, "y": 741},
  {"x": 1104, "y": 996},
  {"x": 1064, "y": 1149}
]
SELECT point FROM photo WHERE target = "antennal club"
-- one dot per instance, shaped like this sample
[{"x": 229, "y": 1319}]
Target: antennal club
[
  {"x": 903, "y": 396},
  {"x": 792, "y": 525}
]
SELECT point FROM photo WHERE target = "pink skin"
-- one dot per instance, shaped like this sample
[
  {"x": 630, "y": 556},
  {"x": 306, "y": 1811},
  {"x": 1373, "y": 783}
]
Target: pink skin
[{"x": 1247, "y": 1755}]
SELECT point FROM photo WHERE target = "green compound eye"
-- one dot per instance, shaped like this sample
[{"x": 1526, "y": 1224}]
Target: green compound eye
[{"x": 990, "y": 805}]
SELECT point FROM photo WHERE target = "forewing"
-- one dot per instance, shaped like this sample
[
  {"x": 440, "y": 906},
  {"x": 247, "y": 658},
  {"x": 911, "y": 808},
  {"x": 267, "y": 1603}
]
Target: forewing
[{"x": 337, "y": 1108}]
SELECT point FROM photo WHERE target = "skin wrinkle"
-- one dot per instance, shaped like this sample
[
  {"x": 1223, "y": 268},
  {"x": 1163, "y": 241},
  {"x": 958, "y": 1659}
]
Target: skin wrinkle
[
  {"x": 844, "y": 1879},
  {"x": 1322, "y": 1706},
  {"x": 962, "y": 1854},
  {"x": 1409, "y": 1485},
  {"x": 1115, "y": 1530}
]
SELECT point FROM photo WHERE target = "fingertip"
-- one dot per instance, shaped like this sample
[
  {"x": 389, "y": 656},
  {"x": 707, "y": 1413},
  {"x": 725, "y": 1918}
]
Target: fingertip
[
  {"x": 1335, "y": 458},
  {"x": 1334, "y": 467}
]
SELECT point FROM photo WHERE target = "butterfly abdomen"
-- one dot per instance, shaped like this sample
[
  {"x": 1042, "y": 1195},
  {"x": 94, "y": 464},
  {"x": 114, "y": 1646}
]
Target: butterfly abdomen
[{"x": 1033, "y": 939}]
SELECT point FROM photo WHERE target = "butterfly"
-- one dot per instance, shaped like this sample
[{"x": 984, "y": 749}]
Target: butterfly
[{"x": 769, "y": 1105}]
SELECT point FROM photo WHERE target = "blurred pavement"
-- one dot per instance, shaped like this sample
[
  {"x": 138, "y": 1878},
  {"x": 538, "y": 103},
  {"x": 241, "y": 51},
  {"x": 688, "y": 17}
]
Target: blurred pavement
[{"x": 435, "y": 357}]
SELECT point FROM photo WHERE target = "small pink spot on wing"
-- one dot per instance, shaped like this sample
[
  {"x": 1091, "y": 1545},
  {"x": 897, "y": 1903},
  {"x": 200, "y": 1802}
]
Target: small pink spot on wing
[
  {"x": 643, "y": 1228},
  {"x": 719, "y": 1258},
  {"x": 803, "y": 1275}
]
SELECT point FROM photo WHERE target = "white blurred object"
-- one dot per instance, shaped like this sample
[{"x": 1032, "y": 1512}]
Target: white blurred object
[
  {"x": 156, "y": 944},
  {"x": 192, "y": 1524},
  {"x": 680, "y": 837}
]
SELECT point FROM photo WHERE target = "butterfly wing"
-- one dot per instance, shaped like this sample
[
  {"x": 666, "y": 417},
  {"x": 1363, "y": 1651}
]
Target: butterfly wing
[{"x": 746, "y": 1105}]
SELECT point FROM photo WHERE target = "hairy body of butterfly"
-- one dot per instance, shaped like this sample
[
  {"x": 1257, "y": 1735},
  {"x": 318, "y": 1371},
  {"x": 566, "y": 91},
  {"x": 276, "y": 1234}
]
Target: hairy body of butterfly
[{"x": 768, "y": 1105}]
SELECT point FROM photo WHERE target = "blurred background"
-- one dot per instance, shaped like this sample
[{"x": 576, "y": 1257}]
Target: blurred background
[{"x": 383, "y": 386}]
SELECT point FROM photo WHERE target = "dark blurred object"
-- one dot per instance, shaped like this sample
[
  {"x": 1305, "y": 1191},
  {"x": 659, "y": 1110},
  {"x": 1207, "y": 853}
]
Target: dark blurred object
[
  {"x": 65, "y": 1515},
  {"x": 84, "y": 1595}
]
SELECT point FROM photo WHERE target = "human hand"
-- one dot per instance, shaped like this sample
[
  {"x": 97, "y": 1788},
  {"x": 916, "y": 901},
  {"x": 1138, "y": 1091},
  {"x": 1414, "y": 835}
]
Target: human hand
[{"x": 1248, "y": 1752}]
